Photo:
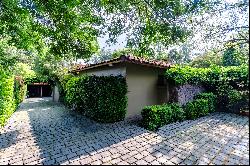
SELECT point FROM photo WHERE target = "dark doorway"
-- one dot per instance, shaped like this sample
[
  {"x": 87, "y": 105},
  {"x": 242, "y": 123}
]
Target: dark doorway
[{"x": 39, "y": 90}]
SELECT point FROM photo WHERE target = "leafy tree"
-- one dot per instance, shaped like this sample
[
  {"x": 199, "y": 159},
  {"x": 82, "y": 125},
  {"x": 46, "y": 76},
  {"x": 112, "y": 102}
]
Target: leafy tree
[
  {"x": 232, "y": 56},
  {"x": 60, "y": 32},
  {"x": 207, "y": 60},
  {"x": 65, "y": 27},
  {"x": 24, "y": 70},
  {"x": 126, "y": 51},
  {"x": 150, "y": 24},
  {"x": 10, "y": 55},
  {"x": 176, "y": 57},
  {"x": 221, "y": 22}
]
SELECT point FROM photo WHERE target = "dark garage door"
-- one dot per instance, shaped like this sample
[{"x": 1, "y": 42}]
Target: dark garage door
[{"x": 39, "y": 91}]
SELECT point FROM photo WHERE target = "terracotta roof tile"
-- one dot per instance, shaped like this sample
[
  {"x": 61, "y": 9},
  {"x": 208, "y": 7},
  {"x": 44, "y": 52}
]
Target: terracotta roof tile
[{"x": 127, "y": 58}]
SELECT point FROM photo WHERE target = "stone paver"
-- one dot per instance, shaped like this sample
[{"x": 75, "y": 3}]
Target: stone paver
[{"x": 43, "y": 132}]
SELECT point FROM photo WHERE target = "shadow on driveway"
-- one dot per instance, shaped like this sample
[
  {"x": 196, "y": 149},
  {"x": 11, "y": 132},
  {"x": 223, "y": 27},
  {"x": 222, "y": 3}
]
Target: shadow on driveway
[{"x": 64, "y": 135}]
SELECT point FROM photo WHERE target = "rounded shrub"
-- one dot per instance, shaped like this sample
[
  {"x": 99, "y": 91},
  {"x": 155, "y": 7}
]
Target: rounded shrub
[
  {"x": 156, "y": 116},
  {"x": 196, "y": 108},
  {"x": 211, "y": 100}
]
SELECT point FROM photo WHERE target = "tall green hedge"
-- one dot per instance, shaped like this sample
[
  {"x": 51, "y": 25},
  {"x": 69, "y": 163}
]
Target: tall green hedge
[
  {"x": 7, "y": 102},
  {"x": 12, "y": 93},
  {"x": 20, "y": 90},
  {"x": 102, "y": 98},
  {"x": 61, "y": 84}
]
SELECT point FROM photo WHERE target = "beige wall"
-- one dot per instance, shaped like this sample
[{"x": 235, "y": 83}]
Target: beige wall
[
  {"x": 55, "y": 94},
  {"x": 143, "y": 89},
  {"x": 116, "y": 69},
  {"x": 141, "y": 81}
]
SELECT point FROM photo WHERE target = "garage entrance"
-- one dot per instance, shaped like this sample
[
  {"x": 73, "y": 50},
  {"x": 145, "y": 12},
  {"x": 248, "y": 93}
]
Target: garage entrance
[{"x": 39, "y": 90}]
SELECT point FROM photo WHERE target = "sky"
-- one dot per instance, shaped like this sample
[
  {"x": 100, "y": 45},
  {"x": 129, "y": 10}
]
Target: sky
[{"x": 121, "y": 43}]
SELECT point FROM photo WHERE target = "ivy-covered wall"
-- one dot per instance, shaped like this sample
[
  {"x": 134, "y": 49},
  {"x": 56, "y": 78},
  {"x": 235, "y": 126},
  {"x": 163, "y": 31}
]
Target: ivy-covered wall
[
  {"x": 229, "y": 84},
  {"x": 182, "y": 94}
]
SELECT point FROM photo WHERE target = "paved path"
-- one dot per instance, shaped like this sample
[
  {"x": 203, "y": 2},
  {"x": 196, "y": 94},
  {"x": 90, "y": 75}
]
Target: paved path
[{"x": 42, "y": 132}]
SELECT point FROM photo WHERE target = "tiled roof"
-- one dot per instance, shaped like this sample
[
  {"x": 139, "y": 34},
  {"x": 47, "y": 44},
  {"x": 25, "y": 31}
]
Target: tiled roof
[
  {"x": 127, "y": 58},
  {"x": 39, "y": 83}
]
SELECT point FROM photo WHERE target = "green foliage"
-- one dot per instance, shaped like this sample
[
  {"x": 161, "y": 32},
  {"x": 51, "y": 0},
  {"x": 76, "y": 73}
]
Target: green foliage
[
  {"x": 7, "y": 103},
  {"x": 61, "y": 84},
  {"x": 207, "y": 60},
  {"x": 231, "y": 100},
  {"x": 217, "y": 79},
  {"x": 178, "y": 56},
  {"x": 232, "y": 56},
  {"x": 100, "y": 98},
  {"x": 196, "y": 108},
  {"x": 158, "y": 115},
  {"x": 234, "y": 96},
  {"x": 37, "y": 78},
  {"x": 24, "y": 70},
  {"x": 210, "y": 97},
  {"x": 212, "y": 78},
  {"x": 151, "y": 23},
  {"x": 185, "y": 74},
  {"x": 12, "y": 93},
  {"x": 20, "y": 90},
  {"x": 125, "y": 51}
]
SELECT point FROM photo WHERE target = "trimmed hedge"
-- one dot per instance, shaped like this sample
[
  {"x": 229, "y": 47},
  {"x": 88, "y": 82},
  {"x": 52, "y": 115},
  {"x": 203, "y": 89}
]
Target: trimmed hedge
[
  {"x": 20, "y": 90},
  {"x": 101, "y": 98},
  {"x": 12, "y": 93},
  {"x": 7, "y": 103},
  {"x": 212, "y": 77},
  {"x": 211, "y": 100},
  {"x": 61, "y": 84},
  {"x": 196, "y": 108},
  {"x": 158, "y": 115}
]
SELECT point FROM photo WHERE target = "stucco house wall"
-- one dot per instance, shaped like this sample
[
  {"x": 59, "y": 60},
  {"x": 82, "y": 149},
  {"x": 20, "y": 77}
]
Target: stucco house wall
[
  {"x": 55, "y": 94},
  {"x": 115, "y": 69},
  {"x": 142, "y": 84},
  {"x": 143, "y": 89}
]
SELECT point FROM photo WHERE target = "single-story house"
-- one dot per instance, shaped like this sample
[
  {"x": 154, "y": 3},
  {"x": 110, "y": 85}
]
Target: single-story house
[{"x": 146, "y": 84}]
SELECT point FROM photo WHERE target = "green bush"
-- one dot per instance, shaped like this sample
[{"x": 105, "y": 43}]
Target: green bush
[
  {"x": 20, "y": 90},
  {"x": 12, "y": 93},
  {"x": 102, "y": 98},
  {"x": 156, "y": 116},
  {"x": 186, "y": 75},
  {"x": 7, "y": 103},
  {"x": 212, "y": 77},
  {"x": 231, "y": 100},
  {"x": 196, "y": 108},
  {"x": 211, "y": 100},
  {"x": 217, "y": 79},
  {"x": 61, "y": 84}
]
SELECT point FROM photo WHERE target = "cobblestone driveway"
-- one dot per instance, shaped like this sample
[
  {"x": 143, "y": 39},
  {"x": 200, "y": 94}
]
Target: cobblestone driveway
[{"x": 42, "y": 132}]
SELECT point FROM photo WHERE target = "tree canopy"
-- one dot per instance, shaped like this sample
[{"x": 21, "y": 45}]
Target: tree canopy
[{"x": 53, "y": 34}]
